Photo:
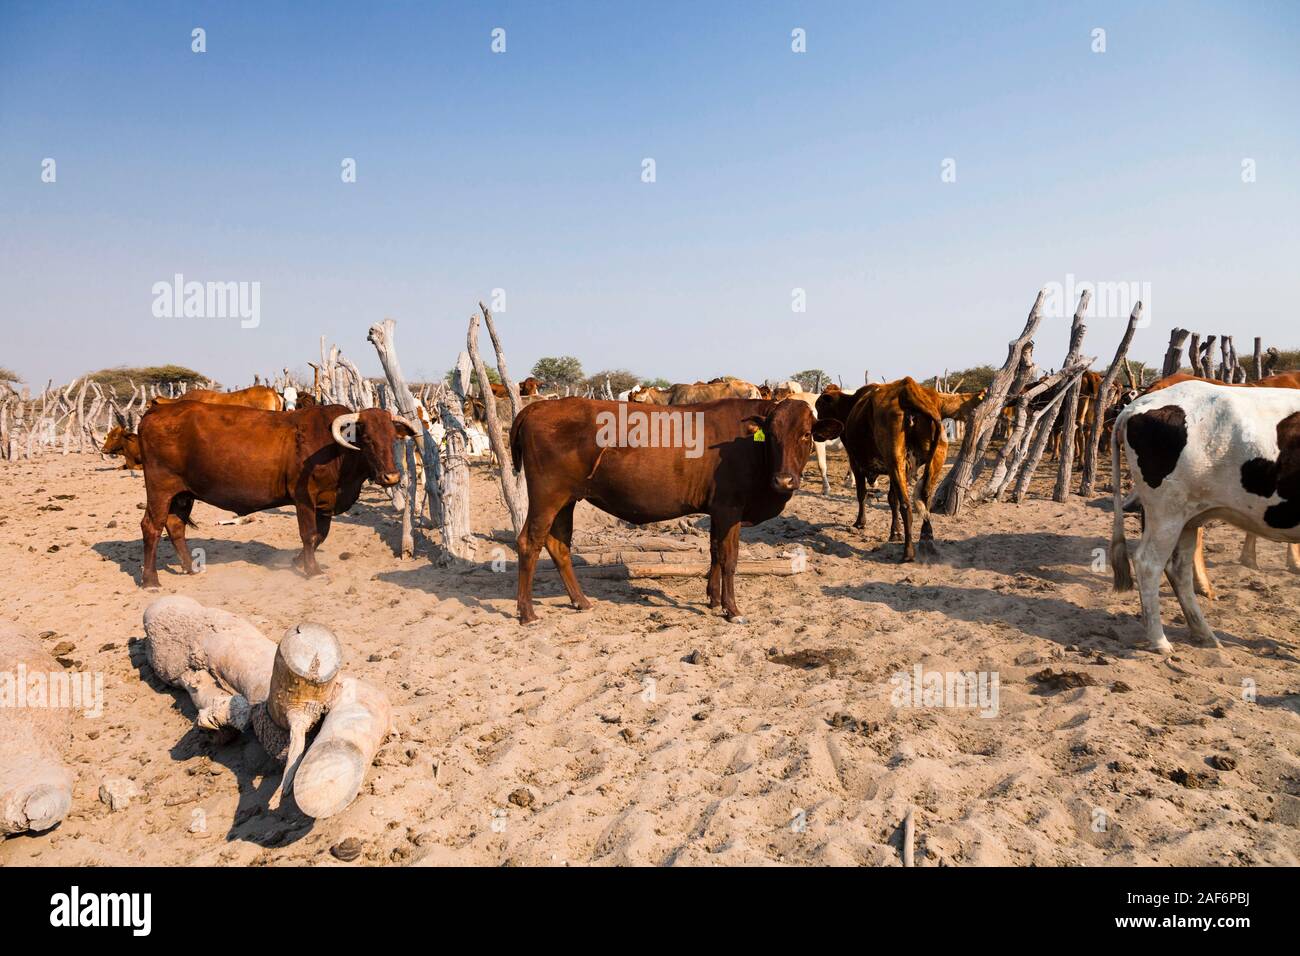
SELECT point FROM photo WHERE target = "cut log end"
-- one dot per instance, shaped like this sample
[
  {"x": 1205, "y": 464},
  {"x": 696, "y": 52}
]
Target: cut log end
[{"x": 329, "y": 778}]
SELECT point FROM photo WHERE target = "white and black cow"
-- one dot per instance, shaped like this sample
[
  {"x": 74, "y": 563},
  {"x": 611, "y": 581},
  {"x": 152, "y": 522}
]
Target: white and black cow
[{"x": 1199, "y": 452}]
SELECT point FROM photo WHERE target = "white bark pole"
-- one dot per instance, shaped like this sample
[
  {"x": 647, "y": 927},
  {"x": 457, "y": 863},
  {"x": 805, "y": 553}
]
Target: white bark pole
[
  {"x": 307, "y": 662},
  {"x": 382, "y": 336},
  {"x": 956, "y": 485},
  {"x": 455, "y": 477},
  {"x": 1088, "y": 479},
  {"x": 513, "y": 487},
  {"x": 1070, "y": 410}
]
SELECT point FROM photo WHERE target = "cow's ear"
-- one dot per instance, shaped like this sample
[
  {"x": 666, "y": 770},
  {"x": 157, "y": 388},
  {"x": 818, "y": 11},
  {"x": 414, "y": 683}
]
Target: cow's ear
[
  {"x": 827, "y": 429},
  {"x": 753, "y": 424}
]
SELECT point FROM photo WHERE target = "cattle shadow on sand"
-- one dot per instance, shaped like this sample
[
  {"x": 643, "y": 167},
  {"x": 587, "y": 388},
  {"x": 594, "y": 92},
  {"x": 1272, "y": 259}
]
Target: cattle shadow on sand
[
  {"x": 128, "y": 553},
  {"x": 477, "y": 586},
  {"x": 256, "y": 773},
  {"x": 1051, "y": 618}
]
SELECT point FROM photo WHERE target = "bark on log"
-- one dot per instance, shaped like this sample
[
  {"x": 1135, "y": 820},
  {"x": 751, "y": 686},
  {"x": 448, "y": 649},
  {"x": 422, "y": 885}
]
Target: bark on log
[
  {"x": 1070, "y": 409},
  {"x": 307, "y": 663},
  {"x": 1257, "y": 365},
  {"x": 1174, "y": 354},
  {"x": 1194, "y": 354},
  {"x": 382, "y": 336},
  {"x": 956, "y": 485},
  {"x": 35, "y": 783},
  {"x": 1016, "y": 446},
  {"x": 1039, "y": 445},
  {"x": 1089, "y": 477}
]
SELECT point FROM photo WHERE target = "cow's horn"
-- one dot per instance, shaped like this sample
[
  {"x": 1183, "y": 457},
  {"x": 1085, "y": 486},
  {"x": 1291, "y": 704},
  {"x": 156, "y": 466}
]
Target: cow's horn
[
  {"x": 408, "y": 423},
  {"x": 342, "y": 422}
]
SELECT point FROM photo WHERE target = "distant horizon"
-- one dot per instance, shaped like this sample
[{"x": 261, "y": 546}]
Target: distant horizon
[{"x": 684, "y": 192}]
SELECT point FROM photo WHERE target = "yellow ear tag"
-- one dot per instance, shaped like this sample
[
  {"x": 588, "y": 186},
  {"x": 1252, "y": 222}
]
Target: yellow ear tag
[{"x": 758, "y": 435}]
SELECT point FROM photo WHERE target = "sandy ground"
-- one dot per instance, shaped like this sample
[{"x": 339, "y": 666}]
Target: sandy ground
[{"x": 590, "y": 738}]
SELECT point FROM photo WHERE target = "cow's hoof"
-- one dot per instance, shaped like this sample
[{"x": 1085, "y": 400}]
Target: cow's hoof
[
  {"x": 529, "y": 618},
  {"x": 1163, "y": 646},
  {"x": 738, "y": 619},
  {"x": 151, "y": 588},
  {"x": 584, "y": 605}
]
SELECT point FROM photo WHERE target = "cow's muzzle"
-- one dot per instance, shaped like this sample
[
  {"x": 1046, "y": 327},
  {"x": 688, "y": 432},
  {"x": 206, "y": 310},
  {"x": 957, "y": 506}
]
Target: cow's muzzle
[
  {"x": 785, "y": 482},
  {"x": 390, "y": 479}
]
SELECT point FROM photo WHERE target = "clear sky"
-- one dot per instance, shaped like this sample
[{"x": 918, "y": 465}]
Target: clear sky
[{"x": 522, "y": 170}]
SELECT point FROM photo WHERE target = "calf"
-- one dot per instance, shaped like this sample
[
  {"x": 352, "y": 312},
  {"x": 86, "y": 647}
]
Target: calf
[
  {"x": 1197, "y": 452},
  {"x": 245, "y": 460},
  {"x": 119, "y": 441},
  {"x": 895, "y": 430},
  {"x": 742, "y": 463}
]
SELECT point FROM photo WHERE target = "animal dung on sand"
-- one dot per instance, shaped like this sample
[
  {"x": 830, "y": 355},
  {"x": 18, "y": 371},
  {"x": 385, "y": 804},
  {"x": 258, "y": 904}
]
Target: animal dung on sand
[{"x": 237, "y": 677}]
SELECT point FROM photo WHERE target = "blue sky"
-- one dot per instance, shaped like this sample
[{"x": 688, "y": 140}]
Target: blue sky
[{"x": 522, "y": 171}]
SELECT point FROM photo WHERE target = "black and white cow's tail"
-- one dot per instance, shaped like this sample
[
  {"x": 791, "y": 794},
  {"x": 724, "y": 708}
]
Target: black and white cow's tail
[{"x": 1120, "y": 565}]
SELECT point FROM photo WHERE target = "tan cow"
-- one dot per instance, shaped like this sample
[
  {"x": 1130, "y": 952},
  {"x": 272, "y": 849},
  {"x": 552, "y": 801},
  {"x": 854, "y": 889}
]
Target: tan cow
[{"x": 711, "y": 392}]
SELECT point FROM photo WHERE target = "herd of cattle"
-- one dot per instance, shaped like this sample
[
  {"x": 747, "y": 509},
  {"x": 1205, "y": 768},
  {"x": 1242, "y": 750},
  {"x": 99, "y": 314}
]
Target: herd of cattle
[{"x": 1198, "y": 450}]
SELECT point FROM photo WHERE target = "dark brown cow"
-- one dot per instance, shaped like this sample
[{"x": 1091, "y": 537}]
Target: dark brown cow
[
  {"x": 255, "y": 396},
  {"x": 751, "y": 457},
  {"x": 120, "y": 441},
  {"x": 245, "y": 460},
  {"x": 893, "y": 429}
]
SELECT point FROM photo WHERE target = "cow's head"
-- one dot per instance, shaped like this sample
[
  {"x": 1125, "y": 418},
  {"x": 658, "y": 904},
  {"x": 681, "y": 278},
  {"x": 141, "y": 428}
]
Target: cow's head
[
  {"x": 114, "y": 441},
  {"x": 372, "y": 432},
  {"x": 788, "y": 431}
]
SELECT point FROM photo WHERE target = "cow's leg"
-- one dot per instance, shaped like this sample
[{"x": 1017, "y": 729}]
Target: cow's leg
[
  {"x": 1180, "y": 579},
  {"x": 307, "y": 530},
  {"x": 860, "y": 480},
  {"x": 178, "y": 514},
  {"x": 1248, "y": 556},
  {"x": 895, "y": 533},
  {"x": 729, "y": 551},
  {"x": 1293, "y": 558},
  {"x": 532, "y": 537},
  {"x": 714, "y": 588},
  {"x": 151, "y": 528},
  {"x": 922, "y": 495},
  {"x": 820, "y": 448},
  {"x": 1154, "y": 551},
  {"x": 1201, "y": 575},
  {"x": 557, "y": 545}
]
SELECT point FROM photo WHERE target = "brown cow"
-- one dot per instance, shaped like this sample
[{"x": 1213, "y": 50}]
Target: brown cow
[
  {"x": 895, "y": 430},
  {"x": 751, "y": 456},
  {"x": 711, "y": 392},
  {"x": 255, "y": 396},
  {"x": 120, "y": 441},
  {"x": 245, "y": 460}
]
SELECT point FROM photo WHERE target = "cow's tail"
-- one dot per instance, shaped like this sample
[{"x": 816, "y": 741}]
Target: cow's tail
[
  {"x": 915, "y": 399},
  {"x": 1120, "y": 565},
  {"x": 516, "y": 441}
]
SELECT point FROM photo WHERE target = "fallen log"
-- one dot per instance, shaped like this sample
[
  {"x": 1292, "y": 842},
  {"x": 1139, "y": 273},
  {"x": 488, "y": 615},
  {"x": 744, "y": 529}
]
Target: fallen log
[{"x": 237, "y": 678}]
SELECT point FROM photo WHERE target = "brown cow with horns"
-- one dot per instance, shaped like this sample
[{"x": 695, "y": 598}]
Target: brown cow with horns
[
  {"x": 737, "y": 460},
  {"x": 245, "y": 460}
]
